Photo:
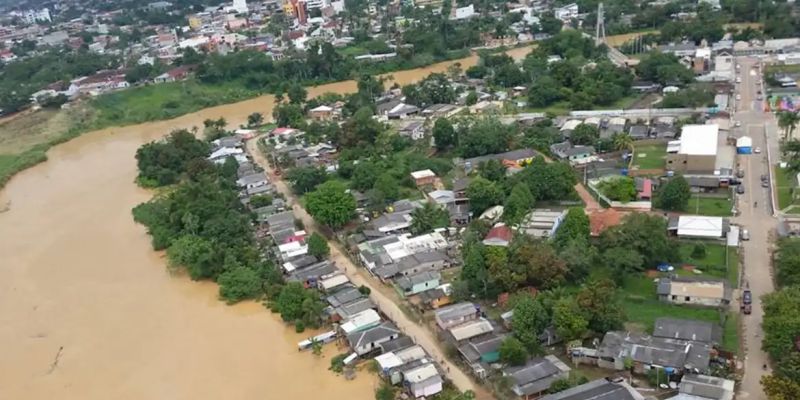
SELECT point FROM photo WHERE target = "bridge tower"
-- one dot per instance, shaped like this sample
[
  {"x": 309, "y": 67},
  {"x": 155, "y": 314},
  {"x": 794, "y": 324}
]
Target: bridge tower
[{"x": 600, "y": 31}]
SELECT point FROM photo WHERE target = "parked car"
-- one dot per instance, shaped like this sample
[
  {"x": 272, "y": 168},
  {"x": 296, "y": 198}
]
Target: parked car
[
  {"x": 757, "y": 150},
  {"x": 740, "y": 189},
  {"x": 764, "y": 177},
  {"x": 740, "y": 173},
  {"x": 745, "y": 234},
  {"x": 765, "y": 184},
  {"x": 747, "y": 301}
]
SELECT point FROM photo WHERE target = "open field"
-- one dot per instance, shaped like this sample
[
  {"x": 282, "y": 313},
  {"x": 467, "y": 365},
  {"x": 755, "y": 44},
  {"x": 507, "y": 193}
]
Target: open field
[
  {"x": 715, "y": 262},
  {"x": 784, "y": 184},
  {"x": 650, "y": 156},
  {"x": 710, "y": 206}
]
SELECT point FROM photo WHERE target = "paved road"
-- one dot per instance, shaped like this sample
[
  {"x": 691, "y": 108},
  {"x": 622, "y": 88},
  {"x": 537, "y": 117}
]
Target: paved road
[
  {"x": 422, "y": 336},
  {"x": 759, "y": 220}
]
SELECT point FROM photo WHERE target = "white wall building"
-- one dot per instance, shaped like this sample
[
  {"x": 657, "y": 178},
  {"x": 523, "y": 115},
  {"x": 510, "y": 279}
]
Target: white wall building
[
  {"x": 240, "y": 6},
  {"x": 34, "y": 16}
]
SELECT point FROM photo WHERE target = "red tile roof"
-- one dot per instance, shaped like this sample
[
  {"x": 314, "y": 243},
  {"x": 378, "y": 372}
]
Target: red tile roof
[
  {"x": 601, "y": 220},
  {"x": 501, "y": 232}
]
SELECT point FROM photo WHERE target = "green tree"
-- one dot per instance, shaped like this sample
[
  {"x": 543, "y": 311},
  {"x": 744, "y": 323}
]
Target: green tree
[
  {"x": 239, "y": 283},
  {"x": 674, "y": 195},
  {"x": 789, "y": 366},
  {"x": 512, "y": 352},
  {"x": 331, "y": 204},
  {"x": 575, "y": 226},
  {"x": 787, "y": 263},
  {"x": 780, "y": 388},
  {"x": 471, "y": 99},
  {"x": 580, "y": 257},
  {"x": 388, "y": 185},
  {"x": 297, "y": 94},
  {"x": 306, "y": 179},
  {"x": 787, "y": 121},
  {"x": 385, "y": 391},
  {"x": 529, "y": 320},
  {"x": 290, "y": 301},
  {"x": 568, "y": 319},
  {"x": 485, "y": 136},
  {"x": 598, "y": 301},
  {"x": 623, "y": 260},
  {"x": 781, "y": 321},
  {"x": 620, "y": 188},
  {"x": 699, "y": 251},
  {"x": 194, "y": 253},
  {"x": 623, "y": 141},
  {"x": 260, "y": 200},
  {"x": 538, "y": 264},
  {"x": 318, "y": 246},
  {"x": 443, "y": 134},
  {"x": 493, "y": 170},
  {"x": 584, "y": 134},
  {"x": 483, "y": 194},
  {"x": 646, "y": 234},
  {"x": 518, "y": 203},
  {"x": 544, "y": 91},
  {"x": 428, "y": 218},
  {"x": 663, "y": 68},
  {"x": 255, "y": 119},
  {"x": 287, "y": 114}
]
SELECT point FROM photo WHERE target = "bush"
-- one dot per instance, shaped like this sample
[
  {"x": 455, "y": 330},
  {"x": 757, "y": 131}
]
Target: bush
[
  {"x": 364, "y": 290},
  {"x": 337, "y": 363},
  {"x": 238, "y": 284},
  {"x": 299, "y": 326},
  {"x": 699, "y": 251}
]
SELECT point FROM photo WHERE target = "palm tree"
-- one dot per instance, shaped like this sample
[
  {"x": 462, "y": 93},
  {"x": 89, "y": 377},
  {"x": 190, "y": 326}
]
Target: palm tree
[
  {"x": 788, "y": 120},
  {"x": 624, "y": 141}
]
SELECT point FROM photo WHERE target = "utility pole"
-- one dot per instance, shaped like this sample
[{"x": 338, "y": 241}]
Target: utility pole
[{"x": 600, "y": 29}]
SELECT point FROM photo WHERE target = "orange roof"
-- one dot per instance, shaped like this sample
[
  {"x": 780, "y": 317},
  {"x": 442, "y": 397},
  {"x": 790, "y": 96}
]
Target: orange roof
[{"x": 601, "y": 220}]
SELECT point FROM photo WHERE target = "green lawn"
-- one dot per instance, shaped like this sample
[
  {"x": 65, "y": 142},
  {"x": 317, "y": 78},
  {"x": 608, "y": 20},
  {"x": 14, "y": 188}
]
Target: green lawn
[
  {"x": 710, "y": 206},
  {"x": 643, "y": 309},
  {"x": 650, "y": 156},
  {"x": 784, "y": 183},
  {"x": 714, "y": 263}
]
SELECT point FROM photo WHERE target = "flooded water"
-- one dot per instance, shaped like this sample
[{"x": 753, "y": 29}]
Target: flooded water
[{"x": 89, "y": 311}]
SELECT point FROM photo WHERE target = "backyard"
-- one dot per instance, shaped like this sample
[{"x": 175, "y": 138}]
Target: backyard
[
  {"x": 642, "y": 309},
  {"x": 715, "y": 262},
  {"x": 650, "y": 156},
  {"x": 712, "y": 206}
]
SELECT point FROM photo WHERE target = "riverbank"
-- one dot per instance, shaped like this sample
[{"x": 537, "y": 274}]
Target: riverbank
[{"x": 155, "y": 103}]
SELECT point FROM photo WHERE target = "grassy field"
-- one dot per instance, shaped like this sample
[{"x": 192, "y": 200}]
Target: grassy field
[
  {"x": 714, "y": 263},
  {"x": 25, "y": 138},
  {"x": 643, "y": 308},
  {"x": 155, "y": 102},
  {"x": 784, "y": 183},
  {"x": 650, "y": 156},
  {"x": 710, "y": 206}
]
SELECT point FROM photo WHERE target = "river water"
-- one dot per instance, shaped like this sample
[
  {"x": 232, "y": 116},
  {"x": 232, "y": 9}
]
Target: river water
[{"x": 89, "y": 311}]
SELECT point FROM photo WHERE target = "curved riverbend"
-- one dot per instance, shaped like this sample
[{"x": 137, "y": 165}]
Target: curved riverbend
[{"x": 88, "y": 310}]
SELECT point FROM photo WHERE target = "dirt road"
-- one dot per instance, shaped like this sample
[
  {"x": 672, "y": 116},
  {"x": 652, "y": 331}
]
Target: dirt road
[{"x": 421, "y": 335}]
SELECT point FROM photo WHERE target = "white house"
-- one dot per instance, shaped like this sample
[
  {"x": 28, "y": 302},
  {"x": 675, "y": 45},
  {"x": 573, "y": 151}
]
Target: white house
[
  {"x": 368, "y": 340},
  {"x": 696, "y": 226},
  {"x": 423, "y": 381},
  {"x": 566, "y": 13}
]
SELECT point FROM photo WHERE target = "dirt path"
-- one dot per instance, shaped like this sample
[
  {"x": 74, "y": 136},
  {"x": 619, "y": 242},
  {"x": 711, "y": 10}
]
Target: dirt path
[{"x": 421, "y": 335}]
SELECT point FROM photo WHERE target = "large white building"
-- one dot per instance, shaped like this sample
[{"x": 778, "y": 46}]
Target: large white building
[
  {"x": 34, "y": 16},
  {"x": 240, "y": 6}
]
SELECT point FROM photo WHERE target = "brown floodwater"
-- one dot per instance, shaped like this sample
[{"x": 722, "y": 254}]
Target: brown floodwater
[{"x": 89, "y": 311}]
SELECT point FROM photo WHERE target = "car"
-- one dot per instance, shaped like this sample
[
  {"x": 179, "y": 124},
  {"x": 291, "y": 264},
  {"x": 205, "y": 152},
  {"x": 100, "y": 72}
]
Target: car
[
  {"x": 740, "y": 189},
  {"x": 765, "y": 184},
  {"x": 759, "y": 98},
  {"x": 757, "y": 150},
  {"x": 764, "y": 177},
  {"x": 740, "y": 173},
  {"x": 745, "y": 234},
  {"x": 747, "y": 297},
  {"x": 737, "y": 123},
  {"x": 738, "y": 96},
  {"x": 738, "y": 80},
  {"x": 759, "y": 91}
]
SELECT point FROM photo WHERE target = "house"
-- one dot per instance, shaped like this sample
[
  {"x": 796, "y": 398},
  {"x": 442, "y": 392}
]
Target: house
[
  {"x": 697, "y": 152},
  {"x": 645, "y": 352},
  {"x": 470, "y": 329},
  {"x": 704, "y": 387},
  {"x": 567, "y": 12},
  {"x": 423, "y": 381},
  {"x": 252, "y": 180},
  {"x": 332, "y": 281},
  {"x": 321, "y": 113},
  {"x": 694, "y": 290},
  {"x": 534, "y": 378},
  {"x": 644, "y": 188},
  {"x": 541, "y": 223},
  {"x": 415, "y": 130},
  {"x": 361, "y": 322},
  {"x": 413, "y": 284},
  {"x": 175, "y": 74},
  {"x": 434, "y": 298},
  {"x": 639, "y": 132},
  {"x": 616, "y": 125},
  {"x": 441, "y": 111},
  {"x": 402, "y": 111},
  {"x": 518, "y": 157},
  {"x": 688, "y": 329},
  {"x": 499, "y": 235},
  {"x": 482, "y": 350},
  {"x": 456, "y": 314},
  {"x": 576, "y": 155},
  {"x": 423, "y": 177},
  {"x": 369, "y": 340},
  {"x": 349, "y": 310},
  {"x": 599, "y": 389},
  {"x": 569, "y": 126},
  {"x": 699, "y": 227}
]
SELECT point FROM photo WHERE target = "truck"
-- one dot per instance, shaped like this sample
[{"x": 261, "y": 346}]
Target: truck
[{"x": 747, "y": 301}]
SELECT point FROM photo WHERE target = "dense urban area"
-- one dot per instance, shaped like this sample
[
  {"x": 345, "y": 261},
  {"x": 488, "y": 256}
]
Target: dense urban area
[{"x": 462, "y": 200}]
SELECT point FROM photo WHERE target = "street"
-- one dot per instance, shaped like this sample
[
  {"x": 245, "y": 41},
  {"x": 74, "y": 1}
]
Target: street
[
  {"x": 757, "y": 216},
  {"x": 382, "y": 298}
]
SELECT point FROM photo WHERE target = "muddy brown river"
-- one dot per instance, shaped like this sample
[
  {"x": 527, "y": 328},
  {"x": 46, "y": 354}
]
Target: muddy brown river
[{"x": 89, "y": 311}]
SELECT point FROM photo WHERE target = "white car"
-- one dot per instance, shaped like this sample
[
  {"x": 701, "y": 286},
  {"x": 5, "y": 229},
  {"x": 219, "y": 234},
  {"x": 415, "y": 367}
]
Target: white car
[
  {"x": 738, "y": 96},
  {"x": 757, "y": 150},
  {"x": 737, "y": 124}
]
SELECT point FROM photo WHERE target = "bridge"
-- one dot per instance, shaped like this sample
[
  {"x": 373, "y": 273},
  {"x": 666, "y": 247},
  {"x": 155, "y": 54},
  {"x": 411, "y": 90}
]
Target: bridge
[{"x": 616, "y": 56}]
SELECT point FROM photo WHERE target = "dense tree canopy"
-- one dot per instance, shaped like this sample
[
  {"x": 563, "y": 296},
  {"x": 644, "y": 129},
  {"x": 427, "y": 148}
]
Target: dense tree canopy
[
  {"x": 162, "y": 163},
  {"x": 331, "y": 204},
  {"x": 674, "y": 195}
]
